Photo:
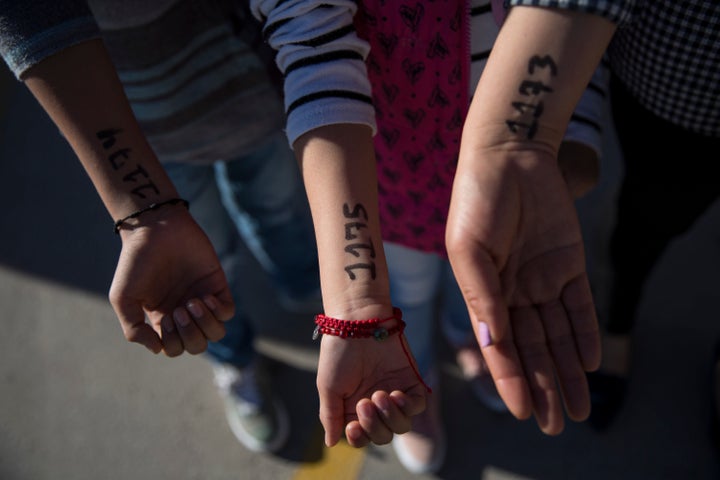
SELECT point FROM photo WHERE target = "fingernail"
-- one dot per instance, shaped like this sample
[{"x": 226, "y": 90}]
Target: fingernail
[
  {"x": 485, "y": 339},
  {"x": 399, "y": 401},
  {"x": 181, "y": 317},
  {"x": 211, "y": 302},
  {"x": 195, "y": 309},
  {"x": 384, "y": 405}
]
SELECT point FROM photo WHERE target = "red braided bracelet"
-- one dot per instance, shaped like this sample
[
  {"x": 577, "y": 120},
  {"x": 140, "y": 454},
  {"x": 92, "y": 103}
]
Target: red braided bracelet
[{"x": 369, "y": 328}]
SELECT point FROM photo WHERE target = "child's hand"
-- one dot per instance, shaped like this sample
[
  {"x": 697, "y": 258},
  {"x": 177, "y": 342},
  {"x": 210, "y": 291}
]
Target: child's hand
[{"x": 367, "y": 387}]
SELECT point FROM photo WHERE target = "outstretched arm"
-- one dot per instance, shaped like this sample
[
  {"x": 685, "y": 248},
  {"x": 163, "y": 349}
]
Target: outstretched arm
[
  {"x": 513, "y": 237},
  {"x": 167, "y": 269},
  {"x": 366, "y": 387}
]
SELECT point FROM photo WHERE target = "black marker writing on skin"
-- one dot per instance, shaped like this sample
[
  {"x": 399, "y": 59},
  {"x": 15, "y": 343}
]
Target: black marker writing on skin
[
  {"x": 355, "y": 230},
  {"x": 119, "y": 158},
  {"x": 529, "y": 110}
]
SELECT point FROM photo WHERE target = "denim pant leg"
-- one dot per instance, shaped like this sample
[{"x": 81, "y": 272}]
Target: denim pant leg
[
  {"x": 197, "y": 184},
  {"x": 454, "y": 316},
  {"x": 265, "y": 196},
  {"x": 414, "y": 278}
]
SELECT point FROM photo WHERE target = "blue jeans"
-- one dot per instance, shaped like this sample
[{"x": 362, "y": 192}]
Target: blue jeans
[
  {"x": 257, "y": 200},
  {"x": 423, "y": 286}
]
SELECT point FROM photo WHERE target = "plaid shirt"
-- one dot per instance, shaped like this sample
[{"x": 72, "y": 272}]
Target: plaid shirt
[{"x": 666, "y": 52}]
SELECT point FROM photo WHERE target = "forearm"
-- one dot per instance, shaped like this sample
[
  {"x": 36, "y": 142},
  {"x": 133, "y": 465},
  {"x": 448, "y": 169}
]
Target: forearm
[
  {"x": 540, "y": 64},
  {"x": 330, "y": 125},
  {"x": 338, "y": 165},
  {"x": 80, "y": 91}
]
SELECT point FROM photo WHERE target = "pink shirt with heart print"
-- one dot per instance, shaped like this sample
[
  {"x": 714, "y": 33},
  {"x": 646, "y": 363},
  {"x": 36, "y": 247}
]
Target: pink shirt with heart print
[{"x": 418, "y": 66}]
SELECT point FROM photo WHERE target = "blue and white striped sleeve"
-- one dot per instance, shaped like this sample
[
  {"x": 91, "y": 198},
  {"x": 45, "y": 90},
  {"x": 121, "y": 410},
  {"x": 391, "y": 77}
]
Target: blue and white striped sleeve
[
  {"x": 32, "y": 31},
  {"x": 588, "y": 120},
  {"x": 322, "y": 60}
]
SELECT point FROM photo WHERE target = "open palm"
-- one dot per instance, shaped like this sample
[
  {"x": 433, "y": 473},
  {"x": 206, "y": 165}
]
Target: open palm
[{"x": 516, "y": 248}]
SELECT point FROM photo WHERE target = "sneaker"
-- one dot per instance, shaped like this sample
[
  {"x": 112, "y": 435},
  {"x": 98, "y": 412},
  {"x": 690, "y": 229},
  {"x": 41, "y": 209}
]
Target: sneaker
[
  {"x": 475, "y": 372},
  {"x": 259, "y": 421},
  {"x": 423, "y": 448}
]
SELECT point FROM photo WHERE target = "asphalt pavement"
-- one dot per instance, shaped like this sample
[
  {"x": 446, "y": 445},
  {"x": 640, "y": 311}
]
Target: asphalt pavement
[{"x": 79, "y": 402}]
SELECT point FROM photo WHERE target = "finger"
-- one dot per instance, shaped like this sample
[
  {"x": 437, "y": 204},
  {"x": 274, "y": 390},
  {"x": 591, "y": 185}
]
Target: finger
[
  {"x": 477, "y": 277},
  {"x": 569, "y": 369},
  {"x": 538, "y": 366},
  {"x": 390, "y": 413},
  {"x": 411, "y": 403},
  {"x": 332, "y": 416},
  {"x": 371, "y": 422},
  {"x": 506, "y": 368},
  {"x": 578, "y": 301},
  {"x": 211, "y": 327},
  {"x": 132, "y": 322},
  {"x": 192, "y": 338},
  {"x": 221, "y": 305},
  {"x": 172, "y": 344},
  {"x": 355, "y": 435}
]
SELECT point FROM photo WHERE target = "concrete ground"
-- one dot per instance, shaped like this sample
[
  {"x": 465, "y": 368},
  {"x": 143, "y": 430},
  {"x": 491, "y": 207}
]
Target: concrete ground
[{"x": 79, "y": 402}]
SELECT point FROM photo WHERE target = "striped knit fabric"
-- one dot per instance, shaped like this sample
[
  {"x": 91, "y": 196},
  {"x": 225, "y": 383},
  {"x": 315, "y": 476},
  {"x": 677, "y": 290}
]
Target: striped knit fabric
[{"x": 198, "y": 75}]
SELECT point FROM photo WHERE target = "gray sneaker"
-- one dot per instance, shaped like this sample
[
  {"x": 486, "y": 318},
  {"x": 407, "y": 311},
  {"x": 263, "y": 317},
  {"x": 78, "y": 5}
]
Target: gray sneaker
[{"x": 259, "y": 420}]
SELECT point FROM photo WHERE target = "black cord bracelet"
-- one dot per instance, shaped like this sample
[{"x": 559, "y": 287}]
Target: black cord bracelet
[{"x": 153, "y": 206}]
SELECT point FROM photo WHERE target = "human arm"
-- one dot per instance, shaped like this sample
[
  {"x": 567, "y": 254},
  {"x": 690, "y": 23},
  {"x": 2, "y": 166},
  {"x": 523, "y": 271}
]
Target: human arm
[
  {"x": 513, "y": 237},
  {"x": 166, "y": 266},
  {"x": 369, "y": 388},
  {"x": 580, "y": 151}
]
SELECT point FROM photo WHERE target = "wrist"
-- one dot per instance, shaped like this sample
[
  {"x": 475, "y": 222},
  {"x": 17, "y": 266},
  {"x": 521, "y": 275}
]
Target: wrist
[
  {"x": 158, "y": 214},
  {"x": 358, "y": 307},
  {"x": 378, "y": 328},
  {"x": 365, "y": 297},
  {"x": 127, "y": 221}
]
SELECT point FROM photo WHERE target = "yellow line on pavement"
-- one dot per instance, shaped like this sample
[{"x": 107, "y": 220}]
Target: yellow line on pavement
[{"x": 340, "y": 461}]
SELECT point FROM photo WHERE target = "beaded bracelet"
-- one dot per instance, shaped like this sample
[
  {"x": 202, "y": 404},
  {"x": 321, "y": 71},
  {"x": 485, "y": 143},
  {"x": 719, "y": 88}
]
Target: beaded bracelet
[
  {"x": 369, "y": 328},
  {"x": 153, "y": 206}
]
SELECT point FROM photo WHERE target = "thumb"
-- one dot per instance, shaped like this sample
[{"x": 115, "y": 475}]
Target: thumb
[
  {"x": 136, "y": 330},
  {"x": 332, "y": 416},
  {"x": 221, "y": 305}
]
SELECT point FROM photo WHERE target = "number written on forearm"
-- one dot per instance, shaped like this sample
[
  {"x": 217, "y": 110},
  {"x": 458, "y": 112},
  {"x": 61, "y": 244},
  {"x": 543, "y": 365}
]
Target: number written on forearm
[{"x": 358, "y": 242}]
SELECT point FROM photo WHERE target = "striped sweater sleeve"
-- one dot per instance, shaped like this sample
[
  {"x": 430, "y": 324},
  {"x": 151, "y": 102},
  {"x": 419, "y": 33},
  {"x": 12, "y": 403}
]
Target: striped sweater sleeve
[
  {"x": 32, "y": 31},
  {"x": 589, "y": 118},
  {"x": 322, "y": 60}
]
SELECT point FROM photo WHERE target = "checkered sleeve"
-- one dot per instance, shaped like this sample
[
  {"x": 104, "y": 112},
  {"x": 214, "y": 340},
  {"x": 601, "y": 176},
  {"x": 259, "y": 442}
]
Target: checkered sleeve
[{"x": 617, "y": 11}]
